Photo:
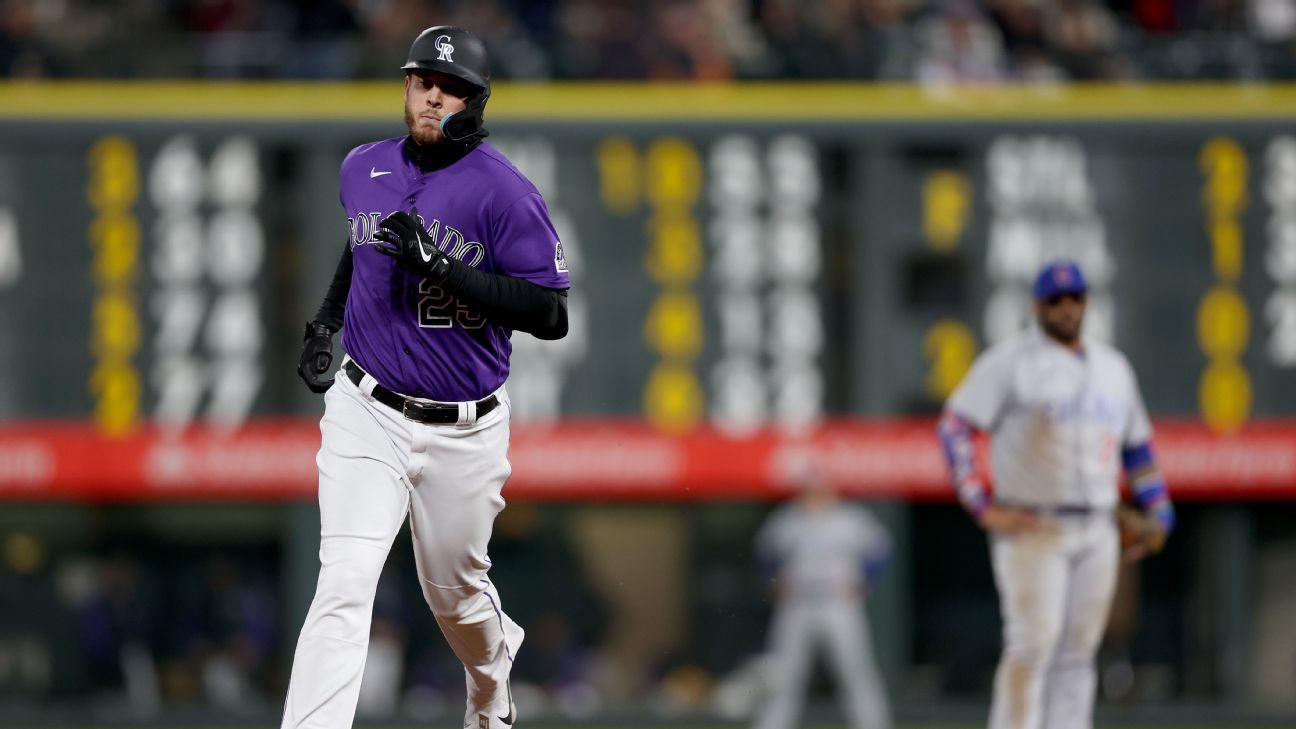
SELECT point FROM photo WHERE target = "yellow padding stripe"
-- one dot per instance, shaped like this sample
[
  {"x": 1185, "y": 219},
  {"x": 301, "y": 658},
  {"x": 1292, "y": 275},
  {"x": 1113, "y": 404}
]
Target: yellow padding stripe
[{"x": 268, "y": 101}]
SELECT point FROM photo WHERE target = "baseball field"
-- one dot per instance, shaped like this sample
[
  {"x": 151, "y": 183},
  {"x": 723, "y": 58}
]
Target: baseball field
[{"x": 647, "y": 364}]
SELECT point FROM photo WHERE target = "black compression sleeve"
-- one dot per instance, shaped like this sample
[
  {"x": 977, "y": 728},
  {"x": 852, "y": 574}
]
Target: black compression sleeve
[
  {"x": 334, "y": 304},
  {"x": 511, "y": 302}
]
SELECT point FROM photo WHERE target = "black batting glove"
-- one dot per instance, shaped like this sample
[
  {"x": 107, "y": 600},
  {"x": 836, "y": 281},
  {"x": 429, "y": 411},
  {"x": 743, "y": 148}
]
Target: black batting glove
[
  {"x": 402, "y": 237},
  {"x": 316, "y": 356}
]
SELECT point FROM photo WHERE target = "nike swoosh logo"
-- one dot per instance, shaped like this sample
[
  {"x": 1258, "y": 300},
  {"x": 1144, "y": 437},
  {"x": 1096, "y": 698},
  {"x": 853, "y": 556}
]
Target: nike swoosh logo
[
  {"x": 373, "y": 172},
  {"x": 509, "y": 719}
]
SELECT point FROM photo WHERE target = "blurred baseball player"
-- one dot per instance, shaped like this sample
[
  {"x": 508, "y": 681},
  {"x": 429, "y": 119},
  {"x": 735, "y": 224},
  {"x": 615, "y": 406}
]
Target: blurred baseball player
[
  {"x": 450, "y": 250},
  {"x": 822, "y": 557},
  {"x": 1065, "y": 414}
]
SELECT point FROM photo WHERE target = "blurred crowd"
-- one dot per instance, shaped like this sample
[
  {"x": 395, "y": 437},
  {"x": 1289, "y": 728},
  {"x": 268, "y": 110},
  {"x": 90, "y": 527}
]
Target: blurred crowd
[
  {"x": 931, "y": 41},
  {"x": 124, "y": 632},
  {"x": 133, "y": 627},
  {"x": 660, "y": 611},
  {"x": 122, "y": 623}
]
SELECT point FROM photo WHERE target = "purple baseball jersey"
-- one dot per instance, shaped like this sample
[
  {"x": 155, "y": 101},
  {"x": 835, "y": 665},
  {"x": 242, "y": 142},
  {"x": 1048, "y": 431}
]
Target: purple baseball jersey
[{"x": 413, "y": 337}]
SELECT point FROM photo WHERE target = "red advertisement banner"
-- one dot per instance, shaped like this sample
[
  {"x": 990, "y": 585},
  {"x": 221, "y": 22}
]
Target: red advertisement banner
[{"x": 616, "y": 460}]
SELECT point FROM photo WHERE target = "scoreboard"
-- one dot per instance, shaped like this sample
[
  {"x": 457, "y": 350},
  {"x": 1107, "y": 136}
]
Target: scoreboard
[{"x": 736, "y": 269}]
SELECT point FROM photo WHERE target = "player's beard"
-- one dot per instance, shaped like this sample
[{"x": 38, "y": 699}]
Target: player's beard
[
  {"x": 1065, "y": 332},
  {"x": 421, "y": 134}
]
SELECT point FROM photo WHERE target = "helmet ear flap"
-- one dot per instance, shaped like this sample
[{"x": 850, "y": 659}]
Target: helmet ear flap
[{"x": 462, "y": 126}]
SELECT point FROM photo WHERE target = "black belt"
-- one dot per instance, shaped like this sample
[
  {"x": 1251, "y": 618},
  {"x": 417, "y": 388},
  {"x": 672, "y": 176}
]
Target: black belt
[
  {"x": 1056, "y": 510},
  {"x": 419, "y": 412}
]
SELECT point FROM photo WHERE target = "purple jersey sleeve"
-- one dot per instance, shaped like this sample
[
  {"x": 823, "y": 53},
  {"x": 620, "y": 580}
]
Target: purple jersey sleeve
[{"x": 527, "y": 246}]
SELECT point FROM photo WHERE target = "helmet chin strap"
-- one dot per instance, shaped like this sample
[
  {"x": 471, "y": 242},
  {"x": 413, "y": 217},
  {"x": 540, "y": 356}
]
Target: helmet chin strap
[
  {"x": 463, "y": 126},
  {"x": 445, "y": 120}
]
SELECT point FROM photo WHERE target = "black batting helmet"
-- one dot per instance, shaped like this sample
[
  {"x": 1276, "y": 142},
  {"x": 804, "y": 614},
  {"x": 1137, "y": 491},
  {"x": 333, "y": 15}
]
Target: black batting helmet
[{"x": 455, "y": 52}]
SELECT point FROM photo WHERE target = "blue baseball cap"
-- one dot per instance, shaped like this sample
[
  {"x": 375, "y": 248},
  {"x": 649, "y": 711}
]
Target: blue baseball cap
[{"x": 1062, "y": 276}]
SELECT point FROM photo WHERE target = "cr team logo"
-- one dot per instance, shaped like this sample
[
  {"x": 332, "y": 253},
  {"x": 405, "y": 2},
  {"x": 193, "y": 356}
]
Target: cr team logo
[{"x": 442, "y": 44}]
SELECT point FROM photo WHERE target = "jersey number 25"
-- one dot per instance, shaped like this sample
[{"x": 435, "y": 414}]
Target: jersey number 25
[{"x": 437, "y": 309}]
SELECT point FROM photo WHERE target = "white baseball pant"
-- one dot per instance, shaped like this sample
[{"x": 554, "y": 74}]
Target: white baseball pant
[
  {"x": 1055, "y": 590},
  {"x": 375, "y": 469},
  {"x": 799, "y": 629}
]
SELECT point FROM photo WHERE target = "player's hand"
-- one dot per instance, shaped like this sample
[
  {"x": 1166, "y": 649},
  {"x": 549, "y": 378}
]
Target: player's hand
[
  {"x": 1141, "y": 535},
  {"x": 316, "y": 356},
  {"x": 402, "y": 237},
  {"x": 1135, "y": 552},
  {"x": 1008, "y": 519}
]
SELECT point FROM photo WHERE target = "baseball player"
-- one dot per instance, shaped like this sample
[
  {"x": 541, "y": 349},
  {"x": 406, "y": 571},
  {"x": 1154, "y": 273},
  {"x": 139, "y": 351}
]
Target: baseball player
[
  {"x": 1065, "y": 414},
  {"x": 822, "y": 556},
  {"x": 450, "y": 250}
]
